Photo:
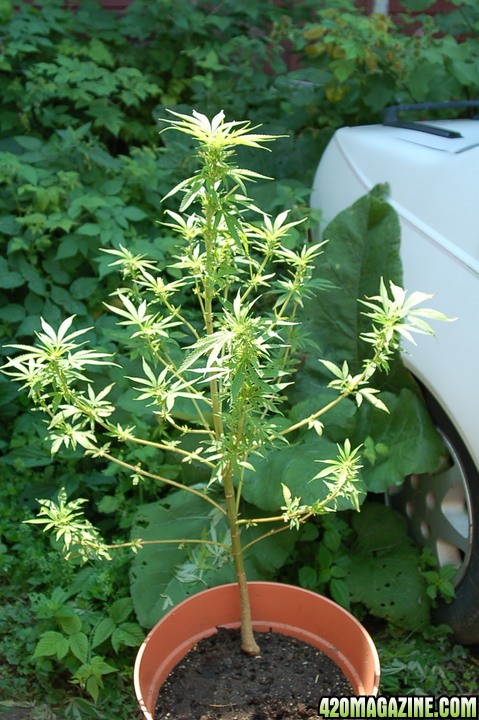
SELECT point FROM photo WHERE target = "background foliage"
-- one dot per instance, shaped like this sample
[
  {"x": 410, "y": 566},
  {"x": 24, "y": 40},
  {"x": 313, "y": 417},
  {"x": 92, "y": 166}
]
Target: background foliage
[{"x": 82, "y": 167}]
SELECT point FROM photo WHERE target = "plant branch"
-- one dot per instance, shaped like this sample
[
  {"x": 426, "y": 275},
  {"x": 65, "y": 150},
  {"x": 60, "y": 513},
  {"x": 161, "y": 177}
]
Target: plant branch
[{"x": 167, "y": 481}]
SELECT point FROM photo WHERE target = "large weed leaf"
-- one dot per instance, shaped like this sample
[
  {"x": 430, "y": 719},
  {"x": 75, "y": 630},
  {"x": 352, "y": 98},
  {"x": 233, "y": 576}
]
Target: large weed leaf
[
  {"x": 163, "y": 575},
  {"x": 363, "y": 246},
  {"x": 398, "y": 443},
  {"x": 383, "y": 572},
  {"x": 295, "y": 466}
]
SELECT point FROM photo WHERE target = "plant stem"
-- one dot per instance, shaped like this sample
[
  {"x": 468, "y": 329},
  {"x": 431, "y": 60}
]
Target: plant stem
[{"x": 248, "y": 642}]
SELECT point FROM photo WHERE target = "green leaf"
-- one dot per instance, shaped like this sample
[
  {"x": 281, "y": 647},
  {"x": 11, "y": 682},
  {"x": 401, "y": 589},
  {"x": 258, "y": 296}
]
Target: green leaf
[
  {"x": 102, "y": 631},
  {"x": 89, "y": 229},
  {"x": 109, "y": 504},
  {"x": 9, "y": 279},
  {"x": 69, "y": 622},
  {"x": 69, "y": 247},
  {"x": 121, "y": 609},
  {"x": 12, "y": 312},
  {"x": 30, "y": 456},
  {"x": 363, "y": 246},
  {"x": 134, "y": 213},
  {"x": 93, "y": 687},
  {"x": 414, "y": 445},
  {"x": 155, "y": 579},
  {"x": 51, "y": 644},
  {"x": 340, "y": 421},
  {"x": 83, "y": 287},
  {"x": 154, "y": 584},
  {"x": 340, "y": 592},
  {"x": 64, "y": 299},
  {"x": 128, "y": 635},
  {"x": 294, "y": 466},
  {"x": 99, "y": 52},
  {"x": 29, "y": 142},
  {"x": 307, "y": 577},
  {"x": 9, "y": 225},
  {"x": 78, "y": 643},
  {"x": 383, "y": 572}
]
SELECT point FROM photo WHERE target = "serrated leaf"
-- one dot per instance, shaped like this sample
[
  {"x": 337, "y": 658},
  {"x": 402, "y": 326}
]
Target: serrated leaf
[
  {"x": 78, "y": 644},
  {"x": 83, "y": 287},
  {"x": 51, "y": 644},
  {"x": 69, "y": 623},
  {"x": 102, "y": 631},
  {"x": 121, "y": 609},
  {"x": 9, "y": 279},
  {"x": 128, "y": 634},
  {"x": 93, "y": 688}
]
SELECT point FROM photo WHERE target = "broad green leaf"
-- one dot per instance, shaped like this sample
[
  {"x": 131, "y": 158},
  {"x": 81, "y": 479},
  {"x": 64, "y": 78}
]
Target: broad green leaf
[
  {"x": 51, "y": 643},
  {"x": 9, "y": 279},
  {"x": 99, "y": 52},
  {"x": 155, "y": 583},
  {"x": 69, "y": 622},
  {"x": 65, "y": 300},
  {"x": 407, "y": 437},
  {"x": 69, "y": 247},
  {"x": 128, "y": 634},
  {"x": 9, "y": 225},
  {"x": 363, "y": 246},
  {"x": 12, "y": 312},
  {"x": 78, "y": 643},
  {"x": 28, "y": 142},
  {"x": 83, "y": 287},
  {"x": 102, "y": 631},
  {"x": 134, "y": 213},
  {"x": 93, "y": 687},
  {"x": 294, "y": 466},
  {"x": 121, "y": 609},
  {"x": 339, "y": 422},
  {"x": 89, "y": 229},
  {"x": 383, "y": 572},
  {"x": 30, "y": 456},
  {"x": 340, "y": 592}
]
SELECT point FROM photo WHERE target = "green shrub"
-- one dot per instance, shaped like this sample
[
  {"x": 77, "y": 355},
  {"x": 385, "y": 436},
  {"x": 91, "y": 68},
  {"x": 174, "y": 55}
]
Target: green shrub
[{"x": 360, "y": 64}]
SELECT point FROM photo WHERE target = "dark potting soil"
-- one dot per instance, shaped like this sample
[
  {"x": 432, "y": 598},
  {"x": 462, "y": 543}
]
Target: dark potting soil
[{"x": 217, "y": 681}]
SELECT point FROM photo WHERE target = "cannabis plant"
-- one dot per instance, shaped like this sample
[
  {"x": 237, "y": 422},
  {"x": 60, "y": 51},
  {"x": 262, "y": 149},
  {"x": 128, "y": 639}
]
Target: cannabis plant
[{"x": 217, "y": 331}]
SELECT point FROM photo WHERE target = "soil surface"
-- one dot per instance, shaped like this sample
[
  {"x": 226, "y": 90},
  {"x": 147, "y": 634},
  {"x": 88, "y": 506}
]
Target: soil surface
[{"x": 217, "y": 681}]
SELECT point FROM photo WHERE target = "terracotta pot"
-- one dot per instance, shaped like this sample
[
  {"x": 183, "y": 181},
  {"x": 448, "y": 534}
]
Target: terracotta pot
[{"x": 281, "y": 608}]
